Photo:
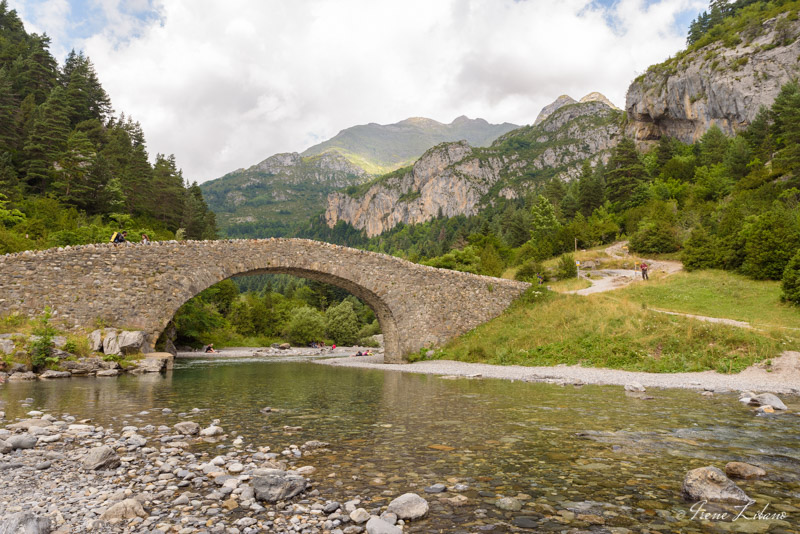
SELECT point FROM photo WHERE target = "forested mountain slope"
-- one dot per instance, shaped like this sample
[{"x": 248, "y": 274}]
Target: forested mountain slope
[{"x": 70, "y": 171}]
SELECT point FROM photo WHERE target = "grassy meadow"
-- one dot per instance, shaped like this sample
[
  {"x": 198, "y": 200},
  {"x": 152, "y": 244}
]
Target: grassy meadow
[{"x": 609, "y": 330}]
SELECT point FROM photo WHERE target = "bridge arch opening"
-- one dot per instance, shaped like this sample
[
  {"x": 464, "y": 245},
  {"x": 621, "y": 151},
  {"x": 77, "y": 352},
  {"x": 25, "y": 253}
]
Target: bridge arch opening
[{"x": 380, "y": 308}]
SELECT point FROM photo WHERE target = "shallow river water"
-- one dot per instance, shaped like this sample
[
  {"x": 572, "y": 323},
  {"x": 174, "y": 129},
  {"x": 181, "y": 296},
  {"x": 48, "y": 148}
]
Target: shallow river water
[{"x": 604, "y": 460}]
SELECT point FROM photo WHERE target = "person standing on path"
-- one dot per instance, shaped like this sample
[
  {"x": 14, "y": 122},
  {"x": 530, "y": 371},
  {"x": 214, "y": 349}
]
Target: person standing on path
[{"x": 643, "y": 267}]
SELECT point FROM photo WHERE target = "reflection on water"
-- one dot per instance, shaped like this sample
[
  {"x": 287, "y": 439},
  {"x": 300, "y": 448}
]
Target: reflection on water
[{"x": 391, "y": 433}]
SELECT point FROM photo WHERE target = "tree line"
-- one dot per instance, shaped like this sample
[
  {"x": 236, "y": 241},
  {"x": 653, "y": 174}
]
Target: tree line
[{"x": 71, "y": 171}]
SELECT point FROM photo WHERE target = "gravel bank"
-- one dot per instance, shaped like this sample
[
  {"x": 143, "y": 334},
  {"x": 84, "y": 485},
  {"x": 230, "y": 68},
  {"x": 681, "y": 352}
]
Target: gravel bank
[{"x": 783, "y": 376}]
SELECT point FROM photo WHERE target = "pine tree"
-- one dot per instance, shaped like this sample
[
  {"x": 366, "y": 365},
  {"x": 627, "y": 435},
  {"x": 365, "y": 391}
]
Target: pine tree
[
  {"x": 713, "y": 146},
  {"x": 9, "y": 131},
  {"x": 624, "y": 174},
  {"x": 591, "y": 191},
  {"x": 87, "y": 97},
  {"x": 47, "y": 140},
  {"x": 39, "y": 70},
  {"x": 786, "y": 127},
  {"x": 72, "y": 182}
]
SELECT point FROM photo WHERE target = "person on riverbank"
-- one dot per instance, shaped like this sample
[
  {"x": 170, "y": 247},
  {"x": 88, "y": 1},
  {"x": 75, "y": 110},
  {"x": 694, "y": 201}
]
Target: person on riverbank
[
  {"x": 119, "y": 237},
  {"x": 209, "y": 348},
  {"x": 644, "y": 268}
]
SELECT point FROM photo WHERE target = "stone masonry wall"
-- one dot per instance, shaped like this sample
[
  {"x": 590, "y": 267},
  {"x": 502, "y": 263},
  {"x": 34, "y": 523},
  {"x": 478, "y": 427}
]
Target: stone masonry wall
[{"x": 140, "y": 287}]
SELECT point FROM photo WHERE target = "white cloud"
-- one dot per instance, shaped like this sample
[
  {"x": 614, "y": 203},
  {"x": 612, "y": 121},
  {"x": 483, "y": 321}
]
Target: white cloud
[{"x": 223, "y": 85}]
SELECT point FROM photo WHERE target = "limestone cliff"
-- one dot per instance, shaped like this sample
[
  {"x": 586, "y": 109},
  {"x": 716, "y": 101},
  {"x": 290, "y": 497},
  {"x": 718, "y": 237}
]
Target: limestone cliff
[
  {"x": 722, "y": 83},
  {"x": 456, "y": 179}
]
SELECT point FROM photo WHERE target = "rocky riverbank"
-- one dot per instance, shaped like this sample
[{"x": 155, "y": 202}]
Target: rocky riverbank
[{"x": 63, "y": 475}]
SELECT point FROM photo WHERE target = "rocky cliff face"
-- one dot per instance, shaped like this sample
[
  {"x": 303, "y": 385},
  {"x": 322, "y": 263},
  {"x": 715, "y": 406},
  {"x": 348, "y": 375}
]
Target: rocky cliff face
[
  {"x": 456, "y": 179},
  {"x": 714, "y": 85}
]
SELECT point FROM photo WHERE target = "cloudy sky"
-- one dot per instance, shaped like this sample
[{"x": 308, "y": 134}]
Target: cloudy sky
[{"x": 223, "y": 85}]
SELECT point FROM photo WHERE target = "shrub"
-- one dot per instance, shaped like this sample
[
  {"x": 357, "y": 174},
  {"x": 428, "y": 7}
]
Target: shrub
[
  {"x": 700, "y": 251},
  {"x": 566, "y": 267},
  {"x": 305, "y": 326},
  {"x": 529, "y": 271},
  {"x": 341, "y": 323},
  {"x": 41, "y": 347},
  {"x": 654, "y": 237},
  {"x": 790, "y": 284}
]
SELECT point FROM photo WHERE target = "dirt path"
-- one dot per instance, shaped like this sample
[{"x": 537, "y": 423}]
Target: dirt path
[{"x": 603, "y": 280}]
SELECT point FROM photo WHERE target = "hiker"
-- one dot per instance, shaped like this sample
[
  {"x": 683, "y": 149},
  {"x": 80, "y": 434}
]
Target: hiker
[
  {"x": 540, "y": 278},
  {"x": 119, "y": 237},
  {"x": 643, "y": 267}
]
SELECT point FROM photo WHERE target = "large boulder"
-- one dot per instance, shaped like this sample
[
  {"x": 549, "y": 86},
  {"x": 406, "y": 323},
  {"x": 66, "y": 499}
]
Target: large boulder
[
  {"x": 155, "y": 362},
  {"x": 123, "y": 510},
  {"x": 26, "y": 375},
  {"x": 278, "y": 485},
  {"x": 110, "y": 343},
  {"x": 408, "y": 506},
  {"x": 767, "y": 399},
  {"x": 102, "y": 457},
  {"x": 711, "y": 484},
  {"x": 25, "y": 523},
  {"x": 96, "y": 341},
  {"x": 7, "y": 346},
  {"x": 130, "y": 342}
]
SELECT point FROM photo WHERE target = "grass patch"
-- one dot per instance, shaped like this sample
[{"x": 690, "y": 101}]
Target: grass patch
[
  {"x": 545, "y": 328},
  {"x": 570, "y": 284},
  {"x": 718, "y": 294}
]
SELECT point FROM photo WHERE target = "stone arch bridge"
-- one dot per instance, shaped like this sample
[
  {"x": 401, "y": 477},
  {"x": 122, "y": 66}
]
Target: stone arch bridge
[{"x": 140, "y": 287}]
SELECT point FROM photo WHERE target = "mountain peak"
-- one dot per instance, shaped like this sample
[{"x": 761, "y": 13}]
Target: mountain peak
[
  {"x": 548, "y": 110},
  {"x": 598, "y": 97}
]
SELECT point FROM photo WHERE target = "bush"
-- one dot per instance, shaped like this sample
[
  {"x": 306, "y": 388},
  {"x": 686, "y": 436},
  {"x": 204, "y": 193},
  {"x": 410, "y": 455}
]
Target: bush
[
  {"x": 305, "y": 326},
  {"x": 41, "y": 347},
  {"x": 790, "y": 284},
  {"x": 341, "y": 323},
  {"x": 529, "y": 271},
  {"x": 700, "y": 251},
  {"x": 655, "y": 237},
  {"x": 567, "y": 267}
]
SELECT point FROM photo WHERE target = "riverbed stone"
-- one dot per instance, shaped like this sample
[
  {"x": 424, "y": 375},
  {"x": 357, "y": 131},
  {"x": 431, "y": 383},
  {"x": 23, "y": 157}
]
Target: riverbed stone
[
  {"x": 22, "y": 441},
  {"x": 768, "y": 399},
  {"x": 102, "y": 457},
  {"x": 409, "y": 506},
  {"x": 634, "y": 387},
  {"x": 509, "y": 503},
  {"x": 51, "y": 373},
  {"x": 127, "y": 509},
  {"x": 210, "y": 431},
  {"x": 5, "y": 447},
  {"x": 23, "y": 375},
  {"x": 108, "y": 372},
  {"x": 187, "y": 428},
  {"x": 743, "y": 470},
  {"x": 711, "y": 484},
  {"x": 7, "y": 346},
  {"x": 376, "y": 525},
  {"x": 110, "y": 343},
  {"x": 278, "y": 486},
  {"x": 359, "y": 515},
  {"x": 25, "y": 523}
]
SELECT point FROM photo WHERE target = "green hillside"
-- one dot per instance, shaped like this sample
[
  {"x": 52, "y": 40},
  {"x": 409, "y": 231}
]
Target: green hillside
[
  {"x": 270, "y": 198},
  {"x": 379, "y": 149}
]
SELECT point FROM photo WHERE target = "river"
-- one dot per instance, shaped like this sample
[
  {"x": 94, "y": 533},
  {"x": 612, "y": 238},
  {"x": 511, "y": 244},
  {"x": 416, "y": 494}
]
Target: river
[{"x": 601, "y": 458}]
